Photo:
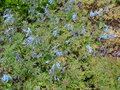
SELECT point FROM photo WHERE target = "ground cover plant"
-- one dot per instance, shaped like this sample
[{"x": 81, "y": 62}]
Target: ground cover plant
[{"x": 60, "y": 44}]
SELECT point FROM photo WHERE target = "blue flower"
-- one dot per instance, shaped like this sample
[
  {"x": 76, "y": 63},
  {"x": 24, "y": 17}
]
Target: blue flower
[
  {"x": 7, "y": 32},
  {"x": 111, "y": 36},
  {"x": 57, "y": 20},
  {"x": 33, "y": 54},
  {"x": 79, "y": 4},
  {"x": 48, "y": 61},
  {"x": 58, "y": 53},
  {"x": 9, "y": 19},
  {"x": 24, "y": 1},
  {"x": 69, "y": 26},
  {"x": 51, "y": 1},
  {"x": 95, "y": 53},
  {"x": 106, "y": 9},
  {"x": 29, "y": 41},
  {"x": 102, "y": 48},
  {"x": 55, "y": 66},
  {"x": 31, "y": 10},
  {"x": 83, "y": 31},
  {"x": 55, "y": 33},
  {"x": 68, "y": 9},
  {"x": 92, "y": 14},
  {"x": 118, "y": 85},
  {"x": 118, "y": 78},
  {"x": 6, "y": 78},
  {"x": 67, "y": 41},
  {"x": 74, "y": 17},
  {"x": 54, "y": 71},
  {"x": 116, "y": 53},
  {"x": 46, "y": 9},
  {"x": 72, "y": 1},
  {"x": 58, "y": 65},
  {"x": 28, "y": 32},
  {"x": 89, "y": 48},
  {"x": 2, "y": 60},
  {"x": 37, "y": 88},
  {"x": 74, "y": 34},
  {"x": 107, "y": 36},
  {"x": 107, "y": 29},
  {"x": 7, "y": 12},
  {"x": 39, "y": 55},
  {"x": 98, "y": 13}
]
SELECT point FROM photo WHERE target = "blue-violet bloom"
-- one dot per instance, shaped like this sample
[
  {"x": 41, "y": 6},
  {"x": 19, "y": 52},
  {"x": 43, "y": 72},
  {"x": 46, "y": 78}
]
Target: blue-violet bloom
[
  {"x": 29, "y": 41},
  {"x": 92, "y": 14},
  {"x": 83, "y": 31},
  {"x": 51, "y": 1},
  {"x": 39, "y": 55},
  {"x": 74, "y": 17},
  {"x": 48, "y": 61},
  {"x": 69, "y": 26},
  {"x": 6, "y": 78},
  {"x": 28, "y": 32},
  {"x": 89, "y": 48},
  {"x": 55, "y": 33},
  {"x": 107, "y": 29}
]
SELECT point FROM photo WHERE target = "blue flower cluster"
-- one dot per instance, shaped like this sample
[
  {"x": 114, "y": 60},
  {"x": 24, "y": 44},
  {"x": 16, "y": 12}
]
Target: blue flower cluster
[
  {"x": 92, "y": 14},
  {"x": 59, "y": 53},
  {"x": 106, "y": 36},
  {"x": 100, "y": 13},
  {"x": 9, "y": 17},
  {"x": 29, "y": 41}
]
